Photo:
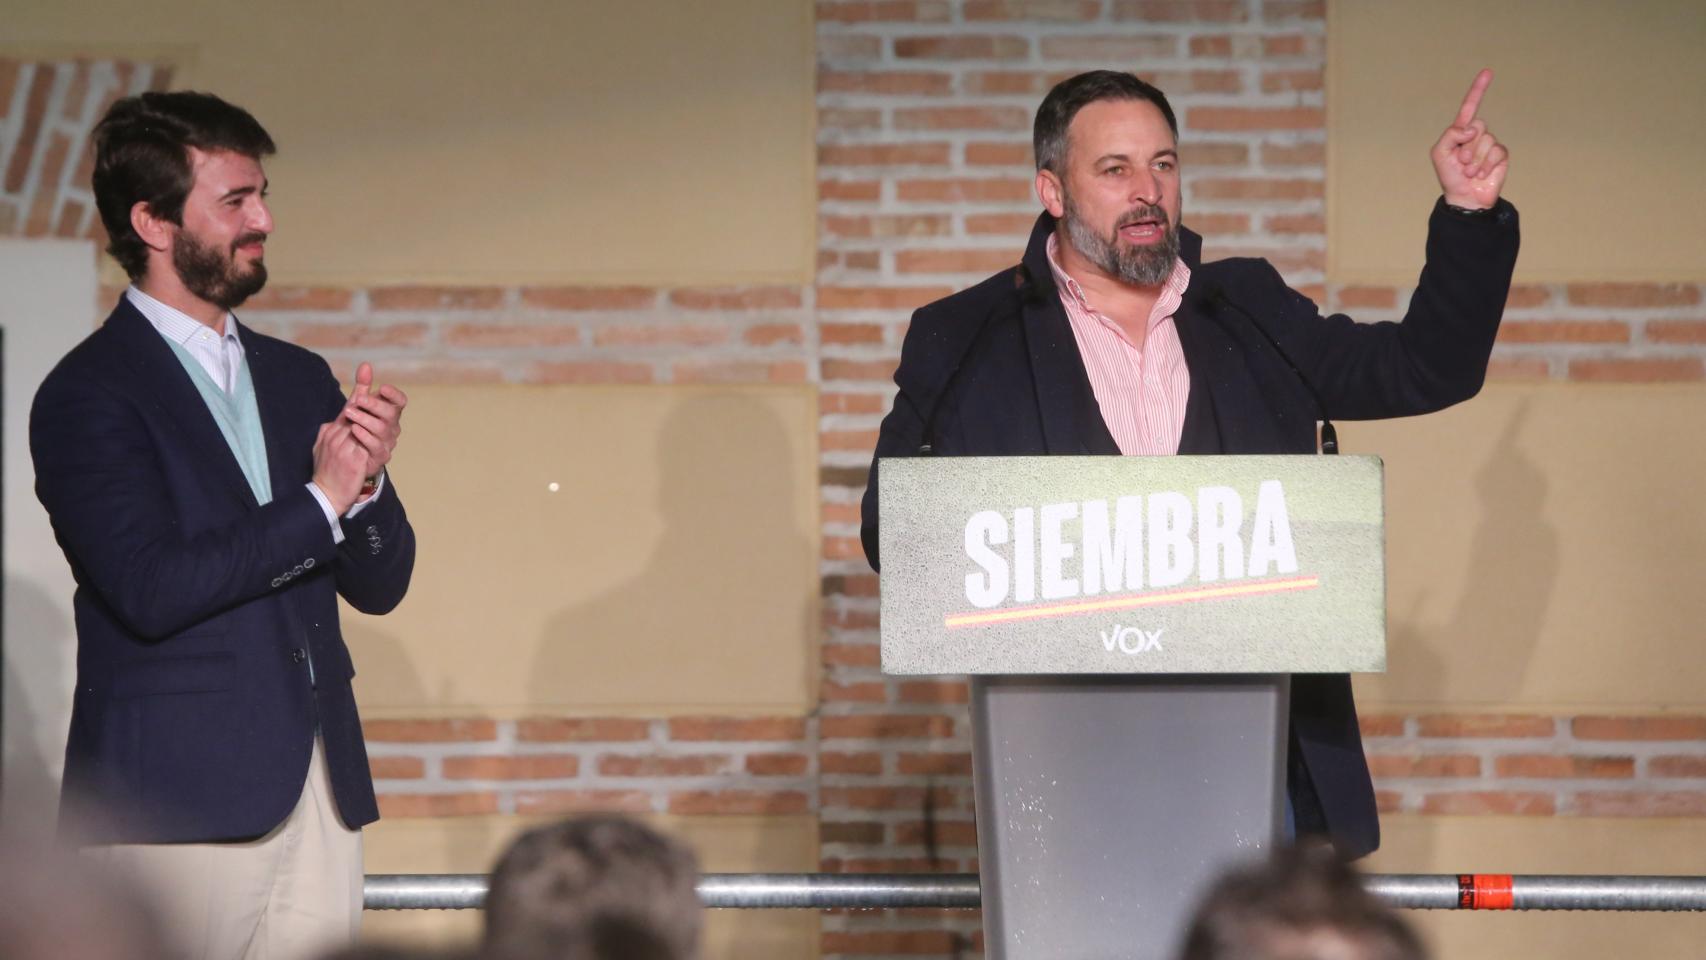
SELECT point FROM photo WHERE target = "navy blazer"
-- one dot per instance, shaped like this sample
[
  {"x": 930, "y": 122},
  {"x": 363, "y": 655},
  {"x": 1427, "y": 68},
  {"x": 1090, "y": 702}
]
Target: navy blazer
[
  {"x": 200, "y": 612},
  {"x": 994, "y": 370}
]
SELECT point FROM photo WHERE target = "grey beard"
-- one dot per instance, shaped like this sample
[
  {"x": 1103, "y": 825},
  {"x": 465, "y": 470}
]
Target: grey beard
[{"x": 1138, "y": 266}]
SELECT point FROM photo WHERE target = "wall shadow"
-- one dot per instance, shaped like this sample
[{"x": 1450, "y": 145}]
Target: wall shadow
[
  {"x": 1504, "y": 601},
  {"x": 706, "y": 556},
  {"x": 35, "y": 753}
]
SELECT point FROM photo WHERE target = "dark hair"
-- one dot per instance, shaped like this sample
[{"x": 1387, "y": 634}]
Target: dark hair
[
  {"x": 598, "y": 887},
  {"x": 1048, "y": 135},
  {"x": 142, "y": 155},
  {"x": 1304, "y": 904}
]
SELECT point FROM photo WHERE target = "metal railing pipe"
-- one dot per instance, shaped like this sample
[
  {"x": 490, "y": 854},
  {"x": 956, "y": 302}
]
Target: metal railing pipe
[
  {"x": 741, "y": 891},
  {"x": 424, "y": 891},
  {"x": 812, "y": 891},
  {"x": 821, "y": 891}
]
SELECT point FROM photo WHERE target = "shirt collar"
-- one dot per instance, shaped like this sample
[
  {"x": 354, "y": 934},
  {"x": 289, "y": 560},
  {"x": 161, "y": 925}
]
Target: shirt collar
[
  {"x": 1062, "y": 279},
  {"x": 174, "y": 324},
  {"x": 1176, "y": 282}
]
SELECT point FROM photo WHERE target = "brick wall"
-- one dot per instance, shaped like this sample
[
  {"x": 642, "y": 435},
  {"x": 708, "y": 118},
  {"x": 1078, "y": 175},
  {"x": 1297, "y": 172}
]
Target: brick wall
[
  {"x": 46, "y": 113},
  {"x": 686, "y": 765},
  {"x": 924, "y": 187},
  {"x": 1538, "y": 765}
]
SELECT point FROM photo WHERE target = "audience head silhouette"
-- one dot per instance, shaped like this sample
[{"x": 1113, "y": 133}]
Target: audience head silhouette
[
  {"x": 594, "y": 888},
  {"x": 1303, "y": 904}
]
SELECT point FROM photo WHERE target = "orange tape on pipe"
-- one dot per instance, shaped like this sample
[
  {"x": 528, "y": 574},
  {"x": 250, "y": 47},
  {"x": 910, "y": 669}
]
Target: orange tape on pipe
[{"x": 1484, "y": 891}]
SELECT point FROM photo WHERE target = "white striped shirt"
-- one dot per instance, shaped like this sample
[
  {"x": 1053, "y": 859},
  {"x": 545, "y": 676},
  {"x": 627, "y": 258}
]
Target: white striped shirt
[
  {"x": 1141, "y": 390},
  {"x": 219, "y": 356}
]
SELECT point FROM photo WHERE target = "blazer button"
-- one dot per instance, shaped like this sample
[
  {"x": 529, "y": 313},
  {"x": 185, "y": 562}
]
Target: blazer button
[
  {"x": 308, "y": 564},
  {"x": 298, "y": 571},
  {"x": 298, "y": 655}
]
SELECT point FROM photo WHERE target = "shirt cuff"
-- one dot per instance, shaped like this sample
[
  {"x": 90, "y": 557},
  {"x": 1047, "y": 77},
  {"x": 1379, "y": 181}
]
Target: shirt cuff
[
  {"x": 378, "y": 488},
  {"x": 326, "y": 508}
]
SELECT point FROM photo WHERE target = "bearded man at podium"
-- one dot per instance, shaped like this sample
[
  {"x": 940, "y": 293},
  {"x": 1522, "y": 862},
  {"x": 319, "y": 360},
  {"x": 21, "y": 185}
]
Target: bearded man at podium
[{"x": 1112, "y": 336}]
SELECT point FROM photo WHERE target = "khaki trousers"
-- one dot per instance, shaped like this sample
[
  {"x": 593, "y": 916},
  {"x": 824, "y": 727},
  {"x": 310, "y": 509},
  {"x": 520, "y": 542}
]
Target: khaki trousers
[{"x": 293, "y": 894}]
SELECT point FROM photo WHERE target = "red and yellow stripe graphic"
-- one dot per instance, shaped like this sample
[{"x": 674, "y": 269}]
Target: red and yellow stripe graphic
[{"x": 983, "y": 618}]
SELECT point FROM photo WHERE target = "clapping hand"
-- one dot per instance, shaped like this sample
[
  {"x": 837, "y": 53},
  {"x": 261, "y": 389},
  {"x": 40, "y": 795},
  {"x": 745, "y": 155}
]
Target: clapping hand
[{"x": 374, "y": 418}]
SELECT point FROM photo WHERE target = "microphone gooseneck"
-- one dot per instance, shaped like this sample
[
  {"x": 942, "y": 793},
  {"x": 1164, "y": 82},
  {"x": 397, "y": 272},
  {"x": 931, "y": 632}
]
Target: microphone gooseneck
[
  {"x": 1329, "y": 436},
  {"x": 925, "y": 447}
]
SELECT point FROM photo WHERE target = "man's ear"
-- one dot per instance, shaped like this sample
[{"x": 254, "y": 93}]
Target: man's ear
[
  {"x": 155, "y": 231},
  {"x": 1051, "y": 193}
]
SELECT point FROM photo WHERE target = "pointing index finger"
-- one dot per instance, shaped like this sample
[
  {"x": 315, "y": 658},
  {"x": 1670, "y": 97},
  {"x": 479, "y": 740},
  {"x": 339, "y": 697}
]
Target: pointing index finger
[{"x": 1472, "y": 100}]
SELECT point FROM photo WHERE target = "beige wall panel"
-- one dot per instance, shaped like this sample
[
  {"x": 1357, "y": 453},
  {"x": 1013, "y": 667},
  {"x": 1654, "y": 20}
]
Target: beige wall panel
[
  {"x": 1411, "y": 844},
  {"x": 1601, "y": 104},
  {"x": 673, "y": 569},
  {"x": 527, "y": 141},
  {"x": 1545, "y": 547},
  {"x": 724, "y": 845}
]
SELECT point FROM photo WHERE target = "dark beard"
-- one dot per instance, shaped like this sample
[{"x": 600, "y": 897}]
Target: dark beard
[
  {"x": 213, "y": 276},
  {"x": 1139, "y": 266}
]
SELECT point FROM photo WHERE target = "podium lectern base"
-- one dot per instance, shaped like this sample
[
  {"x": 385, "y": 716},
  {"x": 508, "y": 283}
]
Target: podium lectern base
[{"x": 1107, "y": 804}]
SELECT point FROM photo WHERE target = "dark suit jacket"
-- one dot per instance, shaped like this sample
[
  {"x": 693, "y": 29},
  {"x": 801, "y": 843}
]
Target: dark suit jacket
[
  {"x": 994, "y": 370},
  {"x": 198, "y": 610}
]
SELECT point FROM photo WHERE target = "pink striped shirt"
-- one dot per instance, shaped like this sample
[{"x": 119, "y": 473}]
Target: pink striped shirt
[{"x": 1141, "y": 391}]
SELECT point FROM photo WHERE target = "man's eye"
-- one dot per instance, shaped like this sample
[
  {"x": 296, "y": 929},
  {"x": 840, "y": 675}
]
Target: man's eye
[
  {"x": 1115, "y": 170},
  {"x": 1164, "y": 165}
]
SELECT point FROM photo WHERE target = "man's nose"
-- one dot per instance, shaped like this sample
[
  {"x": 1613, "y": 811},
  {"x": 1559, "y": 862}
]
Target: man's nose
[
  {"x": 260, "y": 217},
  {"x": 1146, "y": 187}
]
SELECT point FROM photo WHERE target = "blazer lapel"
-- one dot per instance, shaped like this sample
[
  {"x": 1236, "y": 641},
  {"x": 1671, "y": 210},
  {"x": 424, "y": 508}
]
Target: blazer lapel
[
  {"x": 1071, "y": 421},
  {"x": 273, "y": 391},
  {"x": 157, "y": 368},
  {"x": 1206, "y": 348},
  {"x": 1203, "y": 343}
]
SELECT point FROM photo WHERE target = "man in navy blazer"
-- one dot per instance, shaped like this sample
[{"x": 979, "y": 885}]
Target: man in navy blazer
[
  {"x": 215, "y": 493},
  {"x": 1001, "y": 368}
]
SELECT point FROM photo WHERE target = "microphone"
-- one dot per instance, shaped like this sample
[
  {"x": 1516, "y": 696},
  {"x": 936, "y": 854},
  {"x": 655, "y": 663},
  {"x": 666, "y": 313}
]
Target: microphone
[
  {"x": 926, "y": 448},
  {"x": 1329, "y": 436}
]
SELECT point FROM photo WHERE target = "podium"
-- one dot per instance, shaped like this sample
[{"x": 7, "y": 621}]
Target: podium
[{"x": 1129, "y": 626}]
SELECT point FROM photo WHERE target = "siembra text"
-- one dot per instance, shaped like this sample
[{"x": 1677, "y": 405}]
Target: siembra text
[{"x": 1040, "y": 557}]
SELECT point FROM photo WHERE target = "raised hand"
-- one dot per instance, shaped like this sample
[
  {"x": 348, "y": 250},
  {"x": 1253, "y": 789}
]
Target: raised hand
[
  {"x": 1468, "y": 159},
  {"x": 374, "y": 418}
]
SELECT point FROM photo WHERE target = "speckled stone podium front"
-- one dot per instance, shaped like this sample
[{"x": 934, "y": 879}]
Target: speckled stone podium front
[
  {"x": 1129, "y": 625},
  {"x": 1324, "y": 612}
]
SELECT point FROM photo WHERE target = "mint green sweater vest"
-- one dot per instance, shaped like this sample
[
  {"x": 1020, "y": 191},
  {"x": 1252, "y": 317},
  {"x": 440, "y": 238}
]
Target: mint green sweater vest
[{"x": 238, "y": 417}]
